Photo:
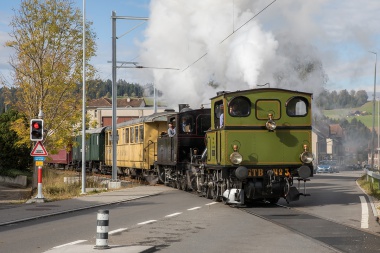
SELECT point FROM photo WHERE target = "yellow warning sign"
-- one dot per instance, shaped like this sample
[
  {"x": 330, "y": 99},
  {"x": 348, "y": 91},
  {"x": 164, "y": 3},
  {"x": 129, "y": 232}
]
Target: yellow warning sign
[{"x": 39, "y": 163}]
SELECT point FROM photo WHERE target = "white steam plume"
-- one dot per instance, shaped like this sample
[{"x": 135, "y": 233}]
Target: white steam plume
[{"x": 181, "y": 32}]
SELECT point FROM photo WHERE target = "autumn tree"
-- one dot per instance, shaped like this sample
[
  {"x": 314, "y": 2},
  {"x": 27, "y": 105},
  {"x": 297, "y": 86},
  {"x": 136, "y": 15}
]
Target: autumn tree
[{"x": 47, "y": 38}]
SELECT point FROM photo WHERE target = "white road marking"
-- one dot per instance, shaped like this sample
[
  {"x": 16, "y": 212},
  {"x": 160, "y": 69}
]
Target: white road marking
[
  {"x": 146, "y": 222},
  {"x": 70, "y": 243},
  {"x": 171, "y": 215},
  {"x": 212, "y": 203},
  {"x": 374, "y": 211},
  {"x": 365, "y": 215},
  {"x": 194, "y": 208},
  {"x": 117, "y": 231}
]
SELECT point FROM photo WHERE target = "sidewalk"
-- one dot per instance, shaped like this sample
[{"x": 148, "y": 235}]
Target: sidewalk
[
  {"x": 13, "y": 213},
  {"x": 24, "y": 212},
  {"x": 13, "y": 195}
]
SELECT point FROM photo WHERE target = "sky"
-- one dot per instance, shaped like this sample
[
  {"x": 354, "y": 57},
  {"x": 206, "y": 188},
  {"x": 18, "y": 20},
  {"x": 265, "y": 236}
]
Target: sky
[{"x": 238, "y": 44}]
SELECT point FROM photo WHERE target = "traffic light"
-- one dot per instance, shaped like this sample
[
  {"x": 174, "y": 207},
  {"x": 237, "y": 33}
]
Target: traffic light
[{"x": 36, "y": 130}]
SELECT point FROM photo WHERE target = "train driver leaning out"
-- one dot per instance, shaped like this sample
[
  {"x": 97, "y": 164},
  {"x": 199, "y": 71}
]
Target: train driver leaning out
[
  {"x": 171, "y": 130},
  {"x": 221, "y": 117}
]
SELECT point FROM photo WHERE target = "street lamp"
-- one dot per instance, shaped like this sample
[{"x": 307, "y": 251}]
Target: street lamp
[{"x": 373, "y": 114}]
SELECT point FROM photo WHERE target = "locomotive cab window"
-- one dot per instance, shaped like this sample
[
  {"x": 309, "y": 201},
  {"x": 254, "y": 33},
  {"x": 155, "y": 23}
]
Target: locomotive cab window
[
  {"x": 296, "y": 107},
  {"x": 218, "y": 110},
  {"x": 239, "y": 107},
  {"x": 203, "y": 123},
  {"x": 187, "y": 123}
]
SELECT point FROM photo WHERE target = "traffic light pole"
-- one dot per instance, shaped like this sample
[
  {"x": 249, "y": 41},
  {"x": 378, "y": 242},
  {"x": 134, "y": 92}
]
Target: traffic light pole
[
  {"x": 39, "y": 186},
  {"x": 39, "y": 153}
]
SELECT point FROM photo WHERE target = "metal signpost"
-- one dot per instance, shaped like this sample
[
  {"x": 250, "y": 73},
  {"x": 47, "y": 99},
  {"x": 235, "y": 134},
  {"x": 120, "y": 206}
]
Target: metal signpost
[{"x": 39, "y": 151}]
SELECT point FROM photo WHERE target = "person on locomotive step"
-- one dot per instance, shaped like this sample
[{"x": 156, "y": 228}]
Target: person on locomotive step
[
  {"x": 221, "y": 117},
  {"x": 185, "y": 125},
  {"x": 171, "y": 130}
]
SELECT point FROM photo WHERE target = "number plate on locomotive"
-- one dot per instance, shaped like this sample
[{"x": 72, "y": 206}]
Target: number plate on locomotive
[{"x": 262, "y": 172}]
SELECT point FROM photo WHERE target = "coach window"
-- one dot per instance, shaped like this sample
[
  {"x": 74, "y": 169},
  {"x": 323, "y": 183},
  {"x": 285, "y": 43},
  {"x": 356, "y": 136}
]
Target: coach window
[
  {"x": 108, "y": 139},
  {"x": 239, "y": 107},
  {"x": 127, "y": 135},
  {"x": 141, "y": 134},
  {"x": 118, "y": 134},
  {"x": 136, "y": 134},
  {"x": 132, "y": 135},
  {"x": 296, "y": 107}
]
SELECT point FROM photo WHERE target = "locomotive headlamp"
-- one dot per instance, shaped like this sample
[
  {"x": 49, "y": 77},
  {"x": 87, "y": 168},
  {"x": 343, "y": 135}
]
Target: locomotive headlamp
[
  {"x": 306, "y": 156},
  {"x": 270, "y": 124},
  {"x": 236, "y": 158}
]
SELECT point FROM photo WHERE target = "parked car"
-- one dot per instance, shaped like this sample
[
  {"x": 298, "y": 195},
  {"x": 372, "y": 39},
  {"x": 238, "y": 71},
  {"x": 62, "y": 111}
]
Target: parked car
[
  {"x": 354, "y": 167},
  {"x": 328, "y": 166},
  {"x": 323, "y": 170}
]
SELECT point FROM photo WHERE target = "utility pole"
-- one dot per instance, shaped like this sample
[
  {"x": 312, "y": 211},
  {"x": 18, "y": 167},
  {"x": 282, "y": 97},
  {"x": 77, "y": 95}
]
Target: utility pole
[
  {"x": 373, "y": 118},
  {"x": 114, "y": 88}
]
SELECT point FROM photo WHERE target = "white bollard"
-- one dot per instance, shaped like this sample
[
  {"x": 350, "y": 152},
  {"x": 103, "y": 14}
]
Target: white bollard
[{"x": 102, "y": 230}]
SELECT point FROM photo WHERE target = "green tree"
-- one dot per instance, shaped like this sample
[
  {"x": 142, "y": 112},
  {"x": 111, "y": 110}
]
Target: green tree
[
  {"x": 361, "y": 97},
  {"x": 47, "y": 39},
  {"x": 343, "y": 99},
  {"x": 12, "y": 156}
]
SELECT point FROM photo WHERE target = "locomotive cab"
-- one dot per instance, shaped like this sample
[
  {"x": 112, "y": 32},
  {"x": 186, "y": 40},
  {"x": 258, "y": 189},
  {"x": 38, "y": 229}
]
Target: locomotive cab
[{"x": 174, "y": 154}]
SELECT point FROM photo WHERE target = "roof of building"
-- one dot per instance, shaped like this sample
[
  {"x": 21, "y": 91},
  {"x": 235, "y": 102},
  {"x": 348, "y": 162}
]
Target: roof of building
[
  {"x": 336, "y": 130},
  {"x": 121, "y": 102}
]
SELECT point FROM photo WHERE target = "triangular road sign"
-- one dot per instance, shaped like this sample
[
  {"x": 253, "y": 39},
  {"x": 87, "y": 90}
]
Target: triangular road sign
[{"x": 39, "y": 150}]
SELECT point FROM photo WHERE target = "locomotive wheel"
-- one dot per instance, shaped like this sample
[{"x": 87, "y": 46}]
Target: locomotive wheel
[
  {"x": 161, "y": 174},
  {"x": 217, "y": 198},
  {"x": 179, "y": 184},
  {"x": 209, "y": 193},
  {"x": 184, "y": 184}
]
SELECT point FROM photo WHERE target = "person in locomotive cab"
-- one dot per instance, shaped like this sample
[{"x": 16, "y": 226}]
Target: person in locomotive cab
[
  {"x": 185, "y": 125},
  {"x": 234, "y": 110},
  {"x": 221, "y": 116},
  {"x": 171, "y": 130}
]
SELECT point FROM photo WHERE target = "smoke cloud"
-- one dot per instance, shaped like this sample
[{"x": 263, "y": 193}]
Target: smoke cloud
[{"x": 224, "y": 43}]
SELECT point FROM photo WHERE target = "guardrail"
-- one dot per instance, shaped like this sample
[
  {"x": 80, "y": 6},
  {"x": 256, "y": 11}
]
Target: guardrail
[{"x": 371, "y": 175}]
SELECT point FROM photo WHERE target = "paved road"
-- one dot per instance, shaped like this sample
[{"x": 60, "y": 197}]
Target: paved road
[{"x": 169, "y": 220}]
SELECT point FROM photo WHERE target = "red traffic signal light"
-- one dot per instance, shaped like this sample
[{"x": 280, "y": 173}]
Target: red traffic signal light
[{"x": 36, "y": 130}]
